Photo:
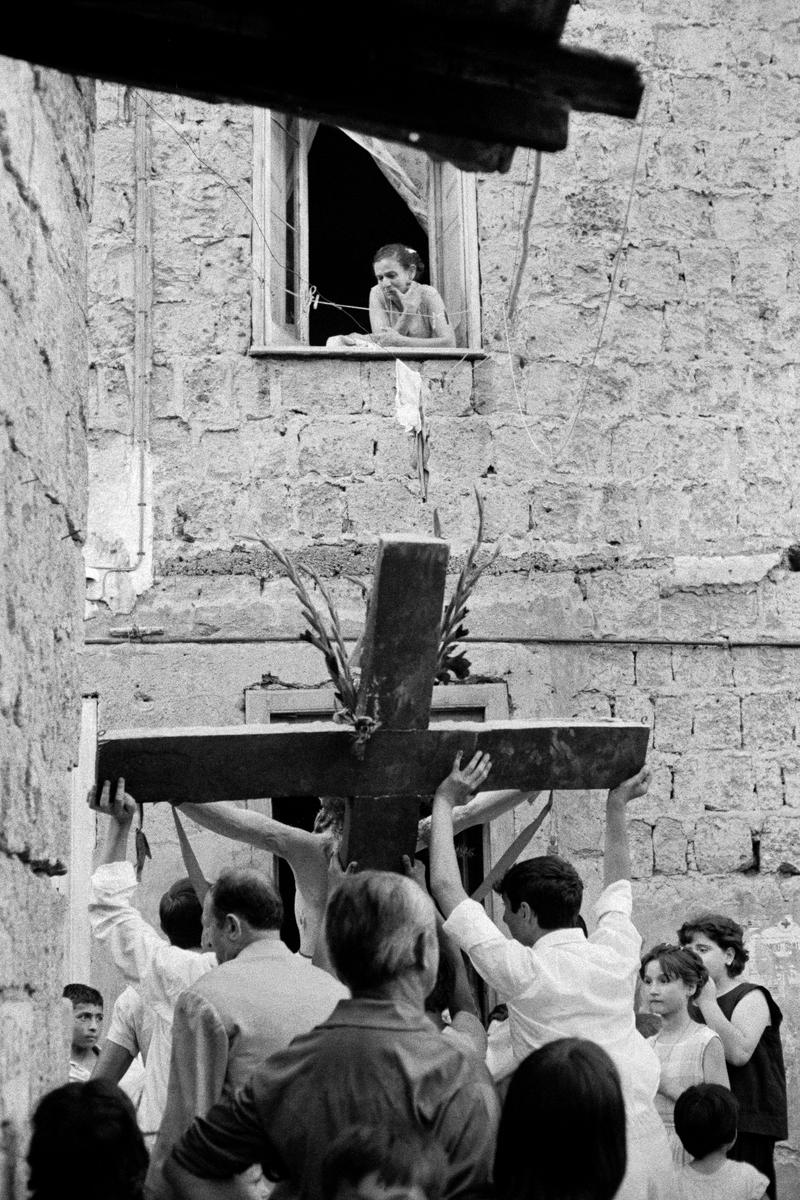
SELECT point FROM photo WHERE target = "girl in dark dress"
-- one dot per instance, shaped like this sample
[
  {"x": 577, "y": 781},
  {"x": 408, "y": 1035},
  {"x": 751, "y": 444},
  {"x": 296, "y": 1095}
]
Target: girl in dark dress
[{"x": 748, "y": 1021}]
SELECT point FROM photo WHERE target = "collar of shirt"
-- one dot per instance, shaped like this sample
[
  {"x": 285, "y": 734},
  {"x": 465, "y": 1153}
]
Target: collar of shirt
[
  {"x": 559, "y": 937},
  {"x": 265, "y": 947},
  {"x": 378, "y": 1014}
]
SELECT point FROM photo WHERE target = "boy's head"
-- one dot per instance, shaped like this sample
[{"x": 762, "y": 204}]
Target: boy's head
[
  {"x": 87, "y": 1014},
  {"x": 718, "y": 941},
  {"x": 181, "y": 915},
  {"x": 706, "y": 1116},
  {"x": 377, "y": 1163},
  {"x": 540, "y": 894}
]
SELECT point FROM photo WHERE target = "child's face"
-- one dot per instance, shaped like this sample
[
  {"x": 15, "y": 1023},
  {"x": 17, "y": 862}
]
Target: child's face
[
  {"x": 715, "y": 959},
  {"x": 372, "y": 1188},
  {"x": 665, "y": 995},
  {"x": 87, "y": 1020},
  {"x": 390, "y": 275}
]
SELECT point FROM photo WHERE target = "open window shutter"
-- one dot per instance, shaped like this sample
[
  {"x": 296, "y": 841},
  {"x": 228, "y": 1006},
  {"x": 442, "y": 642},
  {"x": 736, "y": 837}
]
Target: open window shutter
[
  {"x": 286, "y": 228},
  {"x": 453, "y": 249}
]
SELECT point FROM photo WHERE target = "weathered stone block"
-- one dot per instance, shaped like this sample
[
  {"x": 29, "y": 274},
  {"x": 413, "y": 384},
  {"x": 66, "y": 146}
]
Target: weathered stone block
[
  {"x": 723, "y": 843},
  {"x": 780, "y": 841},
  {"x": 669, "y": 847},
  {"x": 322, "y": 388},
  {"x": 701, "y": 667},
  {"x": 769, "y": 721},
  {"x": 672, "y": 728},
  {"x": 640, "y": 834},
  {"x": 724, "y": 780},
  {"x": 716, "y": 721}
]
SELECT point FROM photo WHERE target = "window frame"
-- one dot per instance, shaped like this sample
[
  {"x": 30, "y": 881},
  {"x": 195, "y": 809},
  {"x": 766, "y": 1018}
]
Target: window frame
[{"x": 452, "y": 198}]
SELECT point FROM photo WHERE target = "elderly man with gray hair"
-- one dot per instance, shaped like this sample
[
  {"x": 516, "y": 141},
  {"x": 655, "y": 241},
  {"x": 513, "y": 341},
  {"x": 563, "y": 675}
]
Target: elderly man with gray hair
[{"x": 376, "y": 1060}]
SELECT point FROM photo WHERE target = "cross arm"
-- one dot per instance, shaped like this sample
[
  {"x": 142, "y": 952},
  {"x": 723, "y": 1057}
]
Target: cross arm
[{"x": 247, "y": 762}]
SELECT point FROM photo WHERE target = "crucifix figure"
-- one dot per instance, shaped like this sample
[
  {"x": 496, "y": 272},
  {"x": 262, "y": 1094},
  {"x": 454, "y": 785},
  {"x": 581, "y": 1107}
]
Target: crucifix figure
[{"x": 403, "y": 760}]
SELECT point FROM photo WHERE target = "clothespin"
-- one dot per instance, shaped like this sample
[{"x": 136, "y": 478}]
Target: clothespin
[{"x": 312, "y": 297}]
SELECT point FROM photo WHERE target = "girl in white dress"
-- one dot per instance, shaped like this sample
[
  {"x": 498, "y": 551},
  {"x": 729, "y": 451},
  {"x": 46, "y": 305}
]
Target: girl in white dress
[{"x": 689, "y": 1053}]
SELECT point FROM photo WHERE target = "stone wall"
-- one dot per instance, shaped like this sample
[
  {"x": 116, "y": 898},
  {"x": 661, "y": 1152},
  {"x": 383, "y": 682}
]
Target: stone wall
[
  {"x": 642, "y": 498},
  {"x": 45, "y": 187}
]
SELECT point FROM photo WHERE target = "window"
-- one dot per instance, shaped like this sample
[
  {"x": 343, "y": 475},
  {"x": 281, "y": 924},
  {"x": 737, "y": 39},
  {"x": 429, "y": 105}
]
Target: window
[{"x": 324, "y": 200}]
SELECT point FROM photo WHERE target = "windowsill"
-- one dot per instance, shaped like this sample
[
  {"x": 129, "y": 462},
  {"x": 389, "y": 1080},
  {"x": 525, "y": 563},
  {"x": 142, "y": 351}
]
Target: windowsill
[{"x": 444, "y": 352}]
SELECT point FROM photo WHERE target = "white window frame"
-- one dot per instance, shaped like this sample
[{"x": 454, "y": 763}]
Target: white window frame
[{"x": 452, "y": 239}]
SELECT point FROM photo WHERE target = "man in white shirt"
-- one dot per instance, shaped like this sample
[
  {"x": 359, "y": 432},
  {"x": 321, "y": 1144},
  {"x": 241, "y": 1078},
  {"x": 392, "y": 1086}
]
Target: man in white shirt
[
  {"x": 556, "y": 981},
  {"x": 161, "y": 970}
]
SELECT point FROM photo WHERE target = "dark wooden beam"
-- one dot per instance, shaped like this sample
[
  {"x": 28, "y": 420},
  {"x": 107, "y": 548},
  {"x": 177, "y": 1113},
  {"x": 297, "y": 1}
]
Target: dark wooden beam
[
  {"x": 401, "y": 639},
  {"x": 248, "y": 762},
  {"x": 398, "y": 664},
  {"x": 489, "y": 72}
]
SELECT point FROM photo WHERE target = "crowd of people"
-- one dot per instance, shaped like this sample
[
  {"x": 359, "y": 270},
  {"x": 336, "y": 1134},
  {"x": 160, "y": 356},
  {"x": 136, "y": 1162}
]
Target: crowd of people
[{"x": 359, "y": 1069}]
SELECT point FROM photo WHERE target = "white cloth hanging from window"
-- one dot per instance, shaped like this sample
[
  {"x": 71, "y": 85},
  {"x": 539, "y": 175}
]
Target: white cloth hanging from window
[{"x": 410, "y": 394}]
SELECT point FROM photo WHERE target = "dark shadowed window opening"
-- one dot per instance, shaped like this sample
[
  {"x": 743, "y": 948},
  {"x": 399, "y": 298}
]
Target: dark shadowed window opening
[{"x": 353, "y": 210}]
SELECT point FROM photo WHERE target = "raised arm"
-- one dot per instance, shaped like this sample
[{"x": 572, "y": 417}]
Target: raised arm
[
  {"x": 617, "y": 857},
  {"x": 480, "y": 810},
  {"x": 141, "y": 954},
  {"x": 446, "y": 885},
  {"x": 742, "y": 1033},
  {"x": 254, "y": 828},
  {"x": 119, "y": 810}
]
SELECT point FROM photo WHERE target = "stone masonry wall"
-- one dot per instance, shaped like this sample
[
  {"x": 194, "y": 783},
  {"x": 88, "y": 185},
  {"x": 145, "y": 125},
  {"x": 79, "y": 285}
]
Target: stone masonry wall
[
  {"x": 45, "y": 187},
  {"x": 644, "y": 510}
]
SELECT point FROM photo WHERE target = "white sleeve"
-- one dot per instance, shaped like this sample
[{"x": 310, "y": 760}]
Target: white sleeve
[
  {"x": 615, "y": 928},
  {"x": 162, "y": 970},
  {"x": 505, "y": 964},
  {"x": 123, "y": 1024}
]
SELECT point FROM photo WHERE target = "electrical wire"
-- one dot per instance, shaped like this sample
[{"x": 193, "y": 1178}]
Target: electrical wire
[
  {"x": 617, "y": 259},
  {"x": 526, "y": 231}
]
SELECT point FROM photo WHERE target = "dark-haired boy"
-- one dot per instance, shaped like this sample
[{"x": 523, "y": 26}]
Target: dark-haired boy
[
  {"x": 705, "y": 1122},
  {"x": 87, "y": 1019},
  {"x": 748, "y": 1021},
  {"x": 556, "y": 981}
]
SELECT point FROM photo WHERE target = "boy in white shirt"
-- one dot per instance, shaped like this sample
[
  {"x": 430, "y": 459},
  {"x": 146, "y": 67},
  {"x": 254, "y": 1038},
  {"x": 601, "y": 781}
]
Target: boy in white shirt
[{"x": 556, "y": 981}]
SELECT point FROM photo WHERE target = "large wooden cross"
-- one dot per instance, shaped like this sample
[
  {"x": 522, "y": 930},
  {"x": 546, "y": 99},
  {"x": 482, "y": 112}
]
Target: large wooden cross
[{"x": 404, "y": 760}]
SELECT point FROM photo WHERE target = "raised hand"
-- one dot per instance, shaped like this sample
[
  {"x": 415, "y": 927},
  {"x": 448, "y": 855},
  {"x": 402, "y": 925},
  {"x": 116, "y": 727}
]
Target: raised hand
[
  {"x": 120, "y": 808},
  {"x": 462, "y": 783},
  {"x": 631, "y": 789},
  {"x": 415, "y": 870}
]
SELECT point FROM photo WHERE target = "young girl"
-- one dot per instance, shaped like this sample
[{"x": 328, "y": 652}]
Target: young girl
[
  {"x": 689, "y": 1053},
  {"x": 748, "y": 1021},
  {"x": 705, "y": 1121},
  {"x": 402, "y": 311}
]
